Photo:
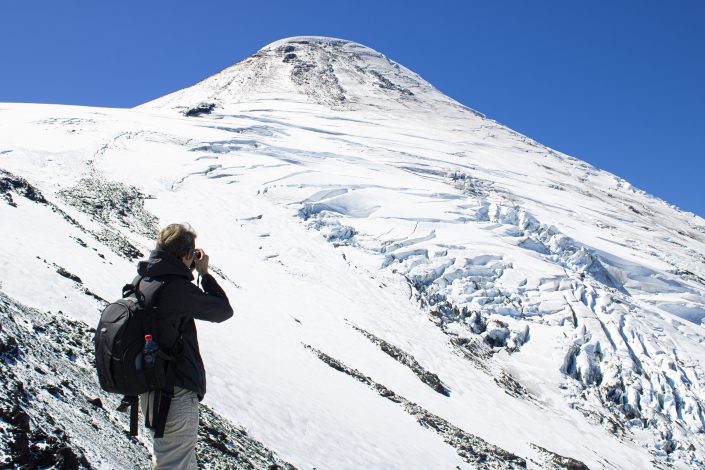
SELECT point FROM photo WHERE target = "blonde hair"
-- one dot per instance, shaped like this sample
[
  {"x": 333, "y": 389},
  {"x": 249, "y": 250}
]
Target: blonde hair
[{"x": 177, "y": 239}]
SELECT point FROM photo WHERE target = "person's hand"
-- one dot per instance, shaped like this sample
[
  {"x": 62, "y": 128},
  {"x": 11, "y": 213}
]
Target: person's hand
[{"x": 201, "y": 260}]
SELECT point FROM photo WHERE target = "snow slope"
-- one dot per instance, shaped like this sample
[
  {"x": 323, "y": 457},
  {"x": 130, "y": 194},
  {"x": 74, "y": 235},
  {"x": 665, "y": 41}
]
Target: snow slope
[{"x": 415, "y": 285}]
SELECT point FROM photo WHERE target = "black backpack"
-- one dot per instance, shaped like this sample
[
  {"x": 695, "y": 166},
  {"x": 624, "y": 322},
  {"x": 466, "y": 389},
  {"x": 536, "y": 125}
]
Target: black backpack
[{"x": 119, "y": 343}]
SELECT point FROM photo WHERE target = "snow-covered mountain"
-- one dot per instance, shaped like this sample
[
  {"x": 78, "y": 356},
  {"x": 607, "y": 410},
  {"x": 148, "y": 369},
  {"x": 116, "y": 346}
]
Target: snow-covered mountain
[{"x": 416, "y": 286}]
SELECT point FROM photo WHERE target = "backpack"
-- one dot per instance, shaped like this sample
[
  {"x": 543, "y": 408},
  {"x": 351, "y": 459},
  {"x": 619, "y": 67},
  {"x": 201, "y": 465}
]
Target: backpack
[{"x": 119, "y": 350}]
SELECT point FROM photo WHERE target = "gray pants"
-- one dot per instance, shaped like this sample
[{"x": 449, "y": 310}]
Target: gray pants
[{"x": 177, "y": 449}]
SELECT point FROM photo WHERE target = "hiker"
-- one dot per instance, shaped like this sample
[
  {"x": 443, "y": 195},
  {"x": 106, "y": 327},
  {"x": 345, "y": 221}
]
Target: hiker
[{"x": 178, "y": 304}]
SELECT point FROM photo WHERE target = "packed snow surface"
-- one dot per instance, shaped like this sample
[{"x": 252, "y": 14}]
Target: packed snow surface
[{"x": 410, "y": 278}]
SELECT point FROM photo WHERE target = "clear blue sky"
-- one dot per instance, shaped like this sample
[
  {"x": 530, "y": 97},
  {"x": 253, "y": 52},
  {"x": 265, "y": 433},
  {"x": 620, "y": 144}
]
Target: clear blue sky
[{"x": 620, "y": 84}]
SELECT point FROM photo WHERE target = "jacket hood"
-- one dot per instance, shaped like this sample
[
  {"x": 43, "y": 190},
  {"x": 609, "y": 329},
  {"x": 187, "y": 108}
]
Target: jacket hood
[{"x": 162, "y": 263}]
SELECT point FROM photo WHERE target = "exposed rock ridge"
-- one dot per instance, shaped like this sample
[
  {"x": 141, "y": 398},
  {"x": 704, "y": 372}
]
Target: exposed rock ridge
[
  {"x": 471, "y": 448},
  {"x": 406, "y": 359},
  {"x": 110, "y": 237}
]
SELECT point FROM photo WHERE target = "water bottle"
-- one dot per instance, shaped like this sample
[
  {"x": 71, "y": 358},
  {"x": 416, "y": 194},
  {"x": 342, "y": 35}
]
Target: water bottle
[{"x": 149, "y": 351}]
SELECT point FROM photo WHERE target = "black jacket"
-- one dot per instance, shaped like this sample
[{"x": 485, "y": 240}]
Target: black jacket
[{"x": 179, "y": 303}]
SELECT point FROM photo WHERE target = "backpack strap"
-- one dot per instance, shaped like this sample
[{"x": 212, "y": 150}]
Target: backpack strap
[
  {"x": 164, "y": 403},
  {"x": 133, "y": 403},
  {"x": 160, "y": 405},
  {"x": 134, "y": 414}
]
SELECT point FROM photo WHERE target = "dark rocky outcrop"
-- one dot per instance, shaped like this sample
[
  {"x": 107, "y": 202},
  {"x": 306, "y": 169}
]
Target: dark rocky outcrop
[
  {"x": 201, "y": 109},
  {"x": 471, "y": 448},
  {"x": 130, "y": 212},
  {"x": 554, "y": 461},
  {"x": 10, "y": 183},
  {"x": 406, "y": 359},
  {"x": 64, "y": 273},
  {"x": 108, "y": 202}
]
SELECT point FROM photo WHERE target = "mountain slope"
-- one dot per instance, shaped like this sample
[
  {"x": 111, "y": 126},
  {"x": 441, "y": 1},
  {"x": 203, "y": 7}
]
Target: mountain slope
[{"x": 415, "y": 285}]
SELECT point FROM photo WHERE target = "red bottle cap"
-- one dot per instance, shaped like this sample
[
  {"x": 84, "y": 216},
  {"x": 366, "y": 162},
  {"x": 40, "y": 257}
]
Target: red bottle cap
[{"x": 148, "y": 337}]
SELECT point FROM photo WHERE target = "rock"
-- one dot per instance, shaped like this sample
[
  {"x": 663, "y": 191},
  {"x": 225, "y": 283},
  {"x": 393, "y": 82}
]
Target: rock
[
  {"x": 203, "y": 108},
  {"x": 62, "y": 272},
  {"x": 9, "y": 348},
  {"x": 18, "y": 185},
  {"x": 96, "y": 402}
]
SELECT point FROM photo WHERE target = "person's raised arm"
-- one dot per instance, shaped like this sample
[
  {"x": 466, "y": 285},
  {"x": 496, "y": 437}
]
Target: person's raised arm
[
  {"x": 212, "y": 305},
  {"x": 185, "y": 298}
]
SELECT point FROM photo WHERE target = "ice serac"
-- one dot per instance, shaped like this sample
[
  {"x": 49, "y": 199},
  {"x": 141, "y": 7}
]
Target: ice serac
[{"x": 416, "y": 285}]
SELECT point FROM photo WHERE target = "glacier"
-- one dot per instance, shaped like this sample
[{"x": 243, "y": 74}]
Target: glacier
[{"x": 415, "y": 285}]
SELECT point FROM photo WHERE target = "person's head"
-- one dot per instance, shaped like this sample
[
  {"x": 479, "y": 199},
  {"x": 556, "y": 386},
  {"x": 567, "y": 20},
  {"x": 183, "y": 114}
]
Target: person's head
[{"x": 179, "y": 240}]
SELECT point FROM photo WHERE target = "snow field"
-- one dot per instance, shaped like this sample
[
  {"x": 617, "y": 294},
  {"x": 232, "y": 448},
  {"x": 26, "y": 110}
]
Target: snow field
[{"x": 560, "y": 306}]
